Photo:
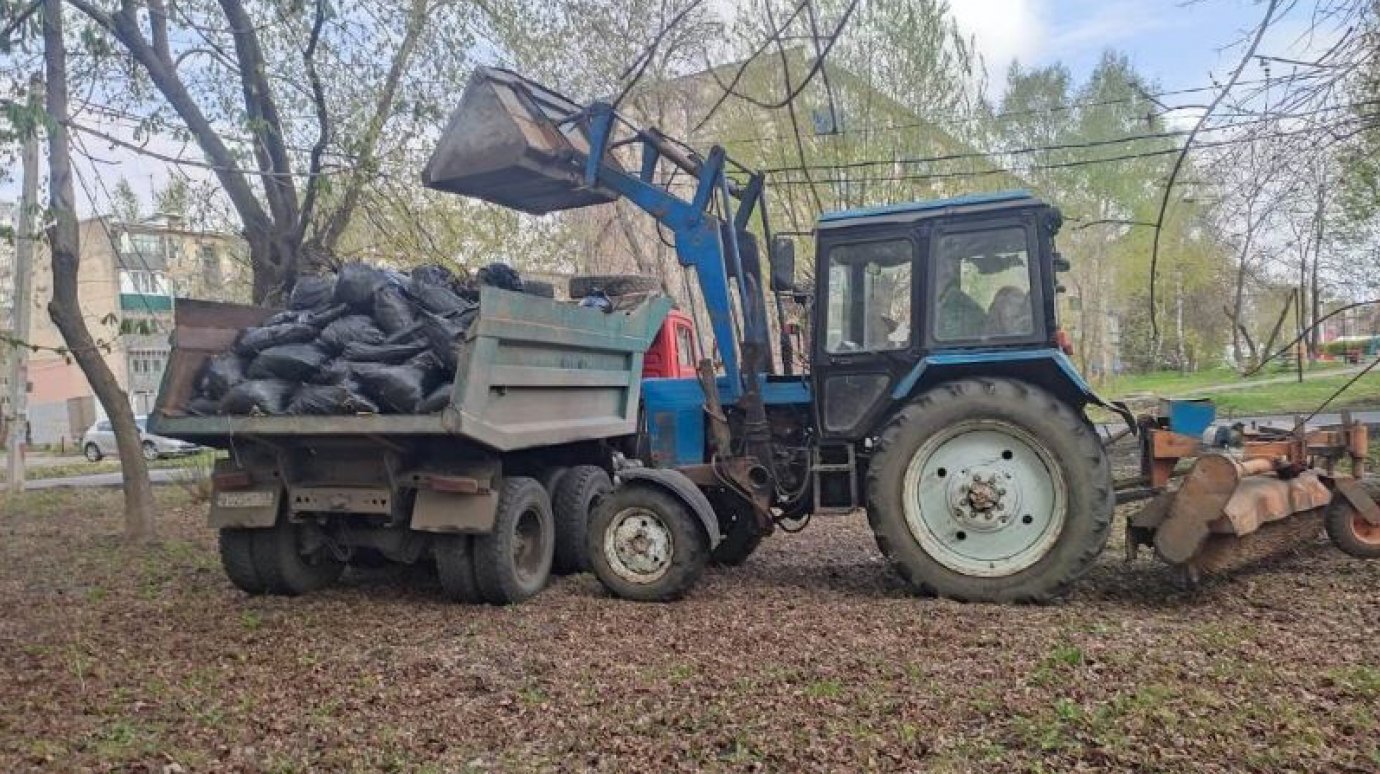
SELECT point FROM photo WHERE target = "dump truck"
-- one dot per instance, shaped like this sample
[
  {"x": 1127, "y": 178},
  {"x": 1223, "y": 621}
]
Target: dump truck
[{"x": 495, "y": 488}]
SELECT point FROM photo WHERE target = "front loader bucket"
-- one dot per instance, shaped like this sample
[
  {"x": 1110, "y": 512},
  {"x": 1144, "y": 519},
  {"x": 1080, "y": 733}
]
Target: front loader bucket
[
  {"x": 513, "y": 143},
  {"x": 1229, "y": 513}
]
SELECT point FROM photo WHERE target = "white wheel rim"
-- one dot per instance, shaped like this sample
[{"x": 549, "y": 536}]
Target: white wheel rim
[
  {"x": 985, "y": 498},
  {"x": 638, "y": 545}
]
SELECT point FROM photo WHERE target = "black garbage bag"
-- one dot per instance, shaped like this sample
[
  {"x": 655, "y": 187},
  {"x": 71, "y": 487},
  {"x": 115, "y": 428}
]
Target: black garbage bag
[
  {"x": 335, "y": 372},
  {"x": 439, "y": 300},
  {"x": 429, "y": 361},
  {"x": 436, "y": 400},
  {"x": 220, "y": 374},
  {"x": 351, "y": 329},
  {"x": 286, "y": 316},
  {"x": 203, "y": 406},
  {"x": 500, "y": 275},
  {"x": 392, "y": 312},
  {"x": 359, "y": 352},
  {"x": 297, "y": 362},
  {"x": 252, "y": 341},
  {"x": 325, "y": 316},
  {"x": 431, "y": 274},
  {"x": 330, "y": 399},
  {"x": 442, "y": 333},
  {"x": 356, "y": 285},
  {"x": 258, "y": 396},
  {"x": 397, "y": 389},
  {"x": 311, "y": 292}
]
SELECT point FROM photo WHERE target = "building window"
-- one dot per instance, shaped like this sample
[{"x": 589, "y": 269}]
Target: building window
[
  {"x": 210, "y": 267},
  {"x": 148, "y": 283}
]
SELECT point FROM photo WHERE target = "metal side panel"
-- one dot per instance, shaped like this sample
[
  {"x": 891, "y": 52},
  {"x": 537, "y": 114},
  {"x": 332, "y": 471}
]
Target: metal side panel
[{"x": 534, "y": 373}]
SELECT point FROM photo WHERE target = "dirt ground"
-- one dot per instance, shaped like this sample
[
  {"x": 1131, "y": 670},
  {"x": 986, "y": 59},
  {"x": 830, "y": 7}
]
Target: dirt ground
[{"x": 810, "y": 657}]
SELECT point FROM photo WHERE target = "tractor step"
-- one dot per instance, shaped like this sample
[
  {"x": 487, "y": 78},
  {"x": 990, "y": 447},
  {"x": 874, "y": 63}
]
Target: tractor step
[{"x": 834, "y": 473}]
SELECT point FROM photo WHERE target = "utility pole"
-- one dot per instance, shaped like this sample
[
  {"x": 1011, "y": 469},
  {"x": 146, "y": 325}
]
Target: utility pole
[{"x": 23, "y": 308}]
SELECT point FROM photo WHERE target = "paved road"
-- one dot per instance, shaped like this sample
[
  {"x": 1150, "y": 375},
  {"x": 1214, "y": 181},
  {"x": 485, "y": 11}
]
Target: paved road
[{"x": 158, "y": 476}]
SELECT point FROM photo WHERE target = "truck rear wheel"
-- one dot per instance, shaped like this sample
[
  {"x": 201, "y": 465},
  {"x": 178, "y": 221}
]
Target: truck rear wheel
[
  {"x": 454, "y": 556},
  {"x": 290, "y": 562},
  {"x": 644, "y": 545},
  {"x": 513, "y": 562},
  {"x": 990, "y": 490},
  {"x": 237, "y": 557},
  {"x": 574, "y": 498}
]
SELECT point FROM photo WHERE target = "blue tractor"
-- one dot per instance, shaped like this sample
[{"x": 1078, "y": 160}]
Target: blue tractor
[{"x": 938, "y": 395}]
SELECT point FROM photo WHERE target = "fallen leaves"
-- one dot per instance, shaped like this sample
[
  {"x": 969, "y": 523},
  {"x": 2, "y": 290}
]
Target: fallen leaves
[{"x": 811, "y": 656}]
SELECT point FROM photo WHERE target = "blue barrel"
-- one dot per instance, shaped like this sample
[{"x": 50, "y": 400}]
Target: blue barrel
[{"x": 1190, "y": 417}]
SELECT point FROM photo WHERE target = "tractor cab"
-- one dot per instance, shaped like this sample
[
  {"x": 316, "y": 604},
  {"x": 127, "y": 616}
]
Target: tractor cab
[{"x": 913, "y": 293}]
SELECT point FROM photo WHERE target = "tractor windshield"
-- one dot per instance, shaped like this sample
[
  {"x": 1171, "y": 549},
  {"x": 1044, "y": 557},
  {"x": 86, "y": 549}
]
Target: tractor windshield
[
  {"x": 983, "y": 284},
  {"x": 869, "y": 296}
]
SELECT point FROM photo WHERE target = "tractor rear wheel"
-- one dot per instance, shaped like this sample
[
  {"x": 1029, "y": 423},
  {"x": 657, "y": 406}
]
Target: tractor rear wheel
[{"x": 990, "y": 490}]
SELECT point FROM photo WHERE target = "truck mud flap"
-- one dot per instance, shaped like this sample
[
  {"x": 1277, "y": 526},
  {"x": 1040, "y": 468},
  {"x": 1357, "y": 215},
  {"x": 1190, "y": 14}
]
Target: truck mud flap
[
  {"x": 463, "y": 501},
  {"x": 683, "y": 489}
]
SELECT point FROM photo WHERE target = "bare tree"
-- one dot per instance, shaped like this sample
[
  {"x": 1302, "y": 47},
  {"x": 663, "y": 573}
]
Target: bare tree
[{"x": 65, "y": 307}]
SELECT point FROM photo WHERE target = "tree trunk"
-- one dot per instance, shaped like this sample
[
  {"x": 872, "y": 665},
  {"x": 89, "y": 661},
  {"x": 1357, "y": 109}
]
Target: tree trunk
[{"x": 65, "y": 307}]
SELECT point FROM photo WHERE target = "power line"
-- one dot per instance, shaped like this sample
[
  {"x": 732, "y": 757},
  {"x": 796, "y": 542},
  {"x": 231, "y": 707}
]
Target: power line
[
  {"x": 939, "y": 121},
  {"x": 1168, "y": 134},
  {"x": 1058, "y": 165}
]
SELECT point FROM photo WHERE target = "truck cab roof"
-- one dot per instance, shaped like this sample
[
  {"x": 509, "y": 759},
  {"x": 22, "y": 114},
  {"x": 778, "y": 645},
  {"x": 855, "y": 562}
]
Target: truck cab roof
[{"x": 930, "y": 208}]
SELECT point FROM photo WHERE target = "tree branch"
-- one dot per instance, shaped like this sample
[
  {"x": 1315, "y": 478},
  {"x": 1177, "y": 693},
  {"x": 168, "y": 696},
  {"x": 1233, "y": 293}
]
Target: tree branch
[
  {"x": 368, "y": 142},
  {"x": 323, "y": 120}
]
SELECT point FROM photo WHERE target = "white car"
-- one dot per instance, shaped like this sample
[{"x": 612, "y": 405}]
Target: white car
[{"x": 99, "y": 440}]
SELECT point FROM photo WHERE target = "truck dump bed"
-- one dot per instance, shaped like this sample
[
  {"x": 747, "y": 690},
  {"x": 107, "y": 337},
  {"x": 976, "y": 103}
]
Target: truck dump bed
[{"x": 532, "y": 372}]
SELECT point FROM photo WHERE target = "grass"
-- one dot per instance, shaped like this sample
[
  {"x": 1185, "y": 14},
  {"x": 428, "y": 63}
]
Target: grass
[
  {"x": 1263, "y": 393},
  {"x": 80, "y": 466},
  {"x": 1175, "y": 384},
  {"x": 1302, "y": 397}
]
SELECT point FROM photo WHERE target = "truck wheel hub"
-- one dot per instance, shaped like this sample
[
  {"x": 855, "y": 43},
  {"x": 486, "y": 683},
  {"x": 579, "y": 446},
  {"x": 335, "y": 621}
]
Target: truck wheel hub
[{"x": 638, "y": 545}]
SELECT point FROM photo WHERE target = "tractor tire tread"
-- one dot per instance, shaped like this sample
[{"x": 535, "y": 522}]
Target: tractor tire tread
[{"x": 1100, "y": 505}]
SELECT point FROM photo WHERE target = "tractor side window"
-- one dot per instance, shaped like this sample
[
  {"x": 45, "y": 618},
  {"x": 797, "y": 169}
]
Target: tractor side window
[
  {"x": 869, "y": 297},
  {"x": 983, "y": 283}
]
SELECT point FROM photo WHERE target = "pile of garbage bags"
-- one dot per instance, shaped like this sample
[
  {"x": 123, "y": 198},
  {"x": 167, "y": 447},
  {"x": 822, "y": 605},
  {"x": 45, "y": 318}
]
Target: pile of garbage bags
[{"x": 361, "y": 341}]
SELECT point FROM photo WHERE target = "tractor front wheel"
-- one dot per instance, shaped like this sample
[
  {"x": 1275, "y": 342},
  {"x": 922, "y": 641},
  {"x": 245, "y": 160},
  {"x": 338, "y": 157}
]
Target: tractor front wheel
[
  {"x": 645, "y": 545},
  {"x": 990, "y": 490}
]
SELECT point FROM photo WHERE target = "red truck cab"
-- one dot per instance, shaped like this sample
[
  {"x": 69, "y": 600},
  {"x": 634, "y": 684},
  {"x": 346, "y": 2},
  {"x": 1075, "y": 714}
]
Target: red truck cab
[{"x": 673, "y": 353}]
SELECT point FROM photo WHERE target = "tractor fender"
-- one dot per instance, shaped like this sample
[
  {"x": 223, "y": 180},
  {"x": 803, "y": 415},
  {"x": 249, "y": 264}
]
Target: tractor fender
[{"x": 679, "y": 486}]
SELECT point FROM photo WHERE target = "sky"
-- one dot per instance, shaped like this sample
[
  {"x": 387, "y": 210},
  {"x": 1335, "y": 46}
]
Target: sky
[{"x": 1176, "y": 44}]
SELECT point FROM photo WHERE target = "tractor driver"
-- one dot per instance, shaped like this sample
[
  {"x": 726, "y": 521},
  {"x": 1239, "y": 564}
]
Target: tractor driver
[{"x": 959, "y": 316}]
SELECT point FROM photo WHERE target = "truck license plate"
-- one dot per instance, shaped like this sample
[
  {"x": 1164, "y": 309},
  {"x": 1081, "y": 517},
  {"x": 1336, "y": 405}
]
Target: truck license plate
[{"x": 244, "y": 499}]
